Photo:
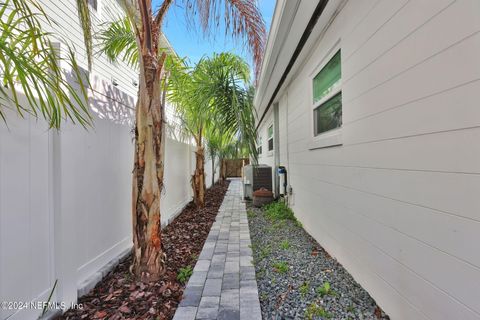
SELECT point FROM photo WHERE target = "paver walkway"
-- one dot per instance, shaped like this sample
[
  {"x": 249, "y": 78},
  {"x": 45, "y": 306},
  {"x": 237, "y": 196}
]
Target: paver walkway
[{"x": 223, "y": 284}]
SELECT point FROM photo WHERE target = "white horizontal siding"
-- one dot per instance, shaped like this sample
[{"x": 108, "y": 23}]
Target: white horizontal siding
[
  {"x": 397, "y": 203},
  {"x": 66, "y": 24}
]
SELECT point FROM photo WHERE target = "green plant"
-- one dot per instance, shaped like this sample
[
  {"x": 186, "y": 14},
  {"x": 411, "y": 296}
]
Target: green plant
[
  {"x": 280, "y": 267},
  {"x": 325, "y": 290},
  {"x": 278, "y": 211},
  {"x": 265, "y": 252},
  {"x": 250, "y": 214},
  {"x": 32, "y": 76},
  {"x": 184, "y": 274},
  {"x": 304, "y": 288},
  {"x": 285, "y": 245},
  {"x": 215, "y": 108},
  {"x": 351, "y": 308},
  {"x": 260, "y": 274},
  {"x": 315, "y": 311}
]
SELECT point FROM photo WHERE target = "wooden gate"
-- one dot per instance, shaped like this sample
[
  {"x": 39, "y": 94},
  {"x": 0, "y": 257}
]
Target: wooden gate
[{"x": 233, "y": 167}]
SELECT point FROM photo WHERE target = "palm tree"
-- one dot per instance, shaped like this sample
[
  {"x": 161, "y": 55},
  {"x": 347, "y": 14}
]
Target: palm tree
[
  {"x": 33, "y": 81},
  {"x": 213, "y": 101},
  {"x": 216, "y": 144},
  {"x": 141, "y": 46}
]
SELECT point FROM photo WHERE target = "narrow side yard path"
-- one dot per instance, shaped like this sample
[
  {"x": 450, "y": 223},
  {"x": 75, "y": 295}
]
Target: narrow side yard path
[{"x": 223, "y": 284}]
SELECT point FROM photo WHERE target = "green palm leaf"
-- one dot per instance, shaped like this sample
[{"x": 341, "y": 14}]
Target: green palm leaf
[
  {"x": 118, "y": 41},
  {"x": 31, "y": 73}
]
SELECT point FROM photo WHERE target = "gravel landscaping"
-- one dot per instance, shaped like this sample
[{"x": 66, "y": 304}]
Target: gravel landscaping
[{"x": 297, "y": 279}]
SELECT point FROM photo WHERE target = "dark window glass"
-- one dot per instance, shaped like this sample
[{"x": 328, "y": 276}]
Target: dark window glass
[
  {"x": 328, "y": 116},
  {"x": 270, "y": 144},
  {"x": 327, "y": 78}
]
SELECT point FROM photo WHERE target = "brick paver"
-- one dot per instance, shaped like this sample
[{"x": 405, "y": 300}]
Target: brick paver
[{"x": 223, "y": 284}]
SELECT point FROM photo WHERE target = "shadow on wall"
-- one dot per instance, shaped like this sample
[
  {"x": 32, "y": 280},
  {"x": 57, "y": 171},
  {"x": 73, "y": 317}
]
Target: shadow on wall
[
  {"x": 110, "y": 103},
  {"x": 107, "y": 102}
]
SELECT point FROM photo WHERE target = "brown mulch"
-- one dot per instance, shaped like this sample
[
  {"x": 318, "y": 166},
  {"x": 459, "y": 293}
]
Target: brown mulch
[{"x": 120, "y": 296}]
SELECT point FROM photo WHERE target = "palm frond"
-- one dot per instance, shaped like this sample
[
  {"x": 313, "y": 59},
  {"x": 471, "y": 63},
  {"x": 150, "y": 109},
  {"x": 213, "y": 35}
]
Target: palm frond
[
  {"x": 33, "y": 81},
  {"x": 242, "y": 20},
  {"x": 118, "y": 41},
  {"x": 214, "y": 99}
]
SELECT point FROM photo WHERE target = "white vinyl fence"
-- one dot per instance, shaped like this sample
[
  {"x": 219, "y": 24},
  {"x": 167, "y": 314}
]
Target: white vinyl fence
[{"x": 65, "y": 202}]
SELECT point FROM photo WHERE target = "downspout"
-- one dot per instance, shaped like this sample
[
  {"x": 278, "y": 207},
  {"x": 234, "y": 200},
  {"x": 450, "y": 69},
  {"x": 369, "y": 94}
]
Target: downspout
[{"x": 276, "y": 150}]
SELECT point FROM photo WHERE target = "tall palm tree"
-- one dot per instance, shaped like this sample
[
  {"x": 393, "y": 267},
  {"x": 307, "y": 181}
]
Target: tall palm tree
[
  {"x": 33, "y": 81},
  {"x": 141, "y": 46},
  {"x": 213, "y": 101}
]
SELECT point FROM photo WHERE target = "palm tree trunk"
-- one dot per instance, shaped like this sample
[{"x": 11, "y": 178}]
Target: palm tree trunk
[
  {"x": 213, "y": 170},
  {"x": 198, "y": 178},
  {"x": 148, "y": 256},
  {"x": 223, "y": 170}
]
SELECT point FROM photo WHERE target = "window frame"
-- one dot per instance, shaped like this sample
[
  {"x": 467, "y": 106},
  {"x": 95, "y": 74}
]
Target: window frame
[
  {"x": 259, "y": 145},
  {"x": 270, "y": 151},
  {"x": 331, "y": 137}
]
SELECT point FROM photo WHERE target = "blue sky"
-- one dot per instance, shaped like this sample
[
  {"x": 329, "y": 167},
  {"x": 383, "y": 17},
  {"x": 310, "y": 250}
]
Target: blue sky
[{"x": 190, "y": 43}]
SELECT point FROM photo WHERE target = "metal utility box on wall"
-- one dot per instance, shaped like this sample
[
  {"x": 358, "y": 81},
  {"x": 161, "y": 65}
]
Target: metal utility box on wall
[{"x": 256, "y": 177}]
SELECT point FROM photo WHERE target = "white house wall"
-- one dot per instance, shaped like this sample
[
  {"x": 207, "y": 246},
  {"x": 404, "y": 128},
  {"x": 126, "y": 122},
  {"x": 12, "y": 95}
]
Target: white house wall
[{"x": 397, "y": 204}]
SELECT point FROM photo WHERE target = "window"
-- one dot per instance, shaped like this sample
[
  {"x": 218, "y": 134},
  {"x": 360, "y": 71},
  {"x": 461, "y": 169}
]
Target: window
[
  {"x": 93, "y": 4},
  {"x": 259, "y": 146},
  {"x": 327, "y": 97},
  {"x": 270, "y": 138}
]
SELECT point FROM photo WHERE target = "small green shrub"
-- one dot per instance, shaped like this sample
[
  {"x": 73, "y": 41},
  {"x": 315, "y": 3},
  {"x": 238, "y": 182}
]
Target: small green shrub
[
  {"x": 184, "y": 274},
  {"x": 250, "y": 214},
  {"x": 325, "y": 290},
  {"x": 314, "y": 311},
  {"x": 304, "y": 288},
  {"x": 278, "y": 211},
  {"x": 264, "y": 252},
  {"x": 285, "y": 245},
  {"x": 351, "y": 308},
  {"x": 280, "y": 266}
]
